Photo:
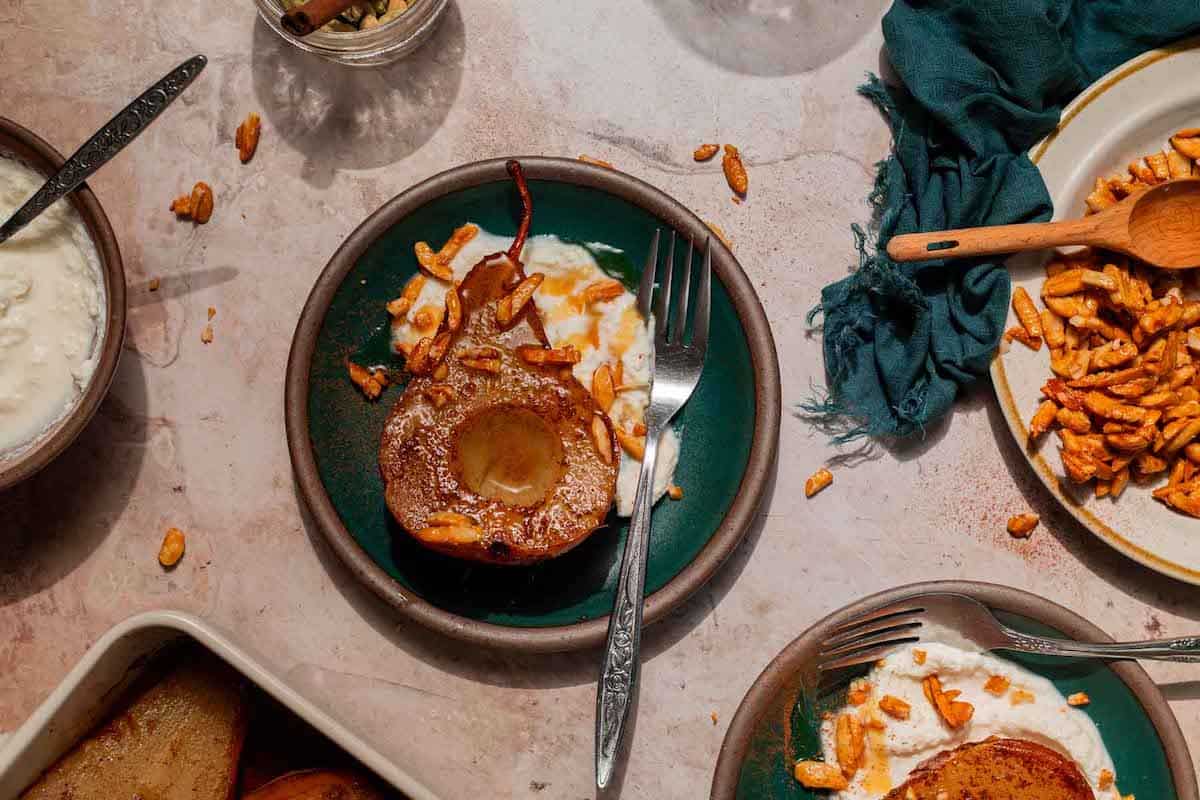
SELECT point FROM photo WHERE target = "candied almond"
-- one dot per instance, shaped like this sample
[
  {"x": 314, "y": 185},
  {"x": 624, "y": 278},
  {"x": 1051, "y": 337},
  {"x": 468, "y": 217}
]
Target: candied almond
[
  {"x": 172, "y": 548},
  {"x": 819, "y": 775},
  {"x": 602, "y": 439},
  {"x": 599, "y": 162},
  {"x": 860, "y": 692},
  {"x": 706, "y": 151},
  {"x": 1078, "y": 699},
  {"x": 849, "y": 743},
  {"x": 997, "y": 685},
  {"x": 955, "y": 713},
  {"x": 635, "y": 446},
  {"x": 246, "y": 138},
  {"x": 608, "y": 289},
  {"x": 1021, "y": 525},
  {"x": 735, "y": 170},
  {"x": 602, "y": 388},
  {"x": 817, "y": 481},
  {"x": 894, "y": 707}
]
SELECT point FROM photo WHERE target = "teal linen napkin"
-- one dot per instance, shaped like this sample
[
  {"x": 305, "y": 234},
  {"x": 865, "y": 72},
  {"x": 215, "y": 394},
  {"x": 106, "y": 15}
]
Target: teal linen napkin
[{"x": 984, "y": 80}]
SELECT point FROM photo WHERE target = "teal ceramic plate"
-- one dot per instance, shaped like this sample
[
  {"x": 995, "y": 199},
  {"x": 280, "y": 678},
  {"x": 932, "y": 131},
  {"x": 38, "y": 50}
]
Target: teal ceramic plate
[
  {"x": 779, "y": 719},
  {"x": 730, "y": 426}
]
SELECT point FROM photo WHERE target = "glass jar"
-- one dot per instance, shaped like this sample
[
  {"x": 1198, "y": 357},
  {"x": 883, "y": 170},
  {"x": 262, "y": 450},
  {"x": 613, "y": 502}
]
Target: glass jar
[{"x": 370, "y": 48}]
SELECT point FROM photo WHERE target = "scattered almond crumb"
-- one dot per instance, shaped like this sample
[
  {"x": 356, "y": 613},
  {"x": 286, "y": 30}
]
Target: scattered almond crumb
[
  {"x": 817, "y": 481},
  {"x": 675, "y": 492},
  {"x": 370, "y": 381},
  {"x": 212, "y": 312},
  {"x": 246, "y": 137},
  {"x": 997, "y": 685},
  {"x": 1105, "y": 780},
  {"x": 1079, "y": 699},
  {"x": 918, "y": 657},
  {"x": 206, "y": 335},
  {"x": 737, "y": 201},
  {"x": 860, "y": 692},
  {"x": 735, "y": 170},
  {"x": 894, "y": 706},
  {"x": 197, "y": 206},
  {"x": 154, "y": 284},
  {"x": 1019, "y": 696},
  {"x": 172, "y": 548},
  {"x": 599, "y": 162},
  {"x": 713, "y": 715},
  {"x": 954, "y": 712},
  {"x": 725, "y": 240},
  {"x": 1021, "y": 525}
]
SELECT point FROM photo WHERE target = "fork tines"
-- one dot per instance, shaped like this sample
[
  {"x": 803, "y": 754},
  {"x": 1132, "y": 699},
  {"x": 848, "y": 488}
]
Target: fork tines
[{"x": 870, "y": 636}]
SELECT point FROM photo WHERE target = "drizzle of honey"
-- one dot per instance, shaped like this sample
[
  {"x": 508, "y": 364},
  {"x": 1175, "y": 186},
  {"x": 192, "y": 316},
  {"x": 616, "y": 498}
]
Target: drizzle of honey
[
  {"x": 571, "y": 306},
  {"x": 583, "y": 342},
  {"x": 563, "y": 283},
  {"x": 627, "y": 331},
  {"x": 878, "y": 779}
]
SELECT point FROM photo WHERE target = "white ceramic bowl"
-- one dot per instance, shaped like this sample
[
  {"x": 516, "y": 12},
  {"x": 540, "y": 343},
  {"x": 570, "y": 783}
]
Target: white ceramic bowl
[{"x": 86, "y": 695}]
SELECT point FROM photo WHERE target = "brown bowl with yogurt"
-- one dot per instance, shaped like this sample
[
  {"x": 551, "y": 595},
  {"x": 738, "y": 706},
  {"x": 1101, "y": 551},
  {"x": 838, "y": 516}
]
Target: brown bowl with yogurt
[{"x": 62, "y": 311}]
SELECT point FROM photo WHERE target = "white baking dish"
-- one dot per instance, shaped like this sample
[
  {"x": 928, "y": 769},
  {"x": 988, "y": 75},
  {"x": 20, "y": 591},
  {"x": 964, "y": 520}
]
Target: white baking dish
[{"x": 84, "y": 697}]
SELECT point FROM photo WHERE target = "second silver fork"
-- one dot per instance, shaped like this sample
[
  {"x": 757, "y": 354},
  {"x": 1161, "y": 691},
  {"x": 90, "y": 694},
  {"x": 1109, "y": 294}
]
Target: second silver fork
[{"x": 675, "y": 369}]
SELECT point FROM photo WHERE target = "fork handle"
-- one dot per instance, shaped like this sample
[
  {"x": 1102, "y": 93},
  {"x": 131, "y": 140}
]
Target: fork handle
[
  {"x": 622, "y": 660},
  {"x": 1185, "y": 648}
]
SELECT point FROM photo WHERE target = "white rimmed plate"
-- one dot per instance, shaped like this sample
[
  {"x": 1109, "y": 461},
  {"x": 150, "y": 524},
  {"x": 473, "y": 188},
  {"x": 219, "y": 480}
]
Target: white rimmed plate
[{"x": 1128, "y": 113}]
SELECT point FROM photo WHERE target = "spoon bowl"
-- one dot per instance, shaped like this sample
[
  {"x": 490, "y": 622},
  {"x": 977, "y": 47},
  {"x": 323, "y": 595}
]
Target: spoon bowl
[
  {"x": 1164, "y": 225},
  {"x": 1159, "y": 225}
]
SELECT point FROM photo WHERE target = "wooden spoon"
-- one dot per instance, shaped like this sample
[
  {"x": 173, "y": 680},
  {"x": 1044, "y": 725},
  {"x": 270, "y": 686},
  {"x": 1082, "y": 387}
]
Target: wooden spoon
[{"x": 1159, "y": 225}]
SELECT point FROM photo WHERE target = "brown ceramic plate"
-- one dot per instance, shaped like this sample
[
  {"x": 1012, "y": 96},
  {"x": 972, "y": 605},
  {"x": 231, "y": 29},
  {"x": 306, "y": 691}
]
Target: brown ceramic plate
[
  {"x": 36, "y": 153},
  {"x": 730, "y": 426},
  {"x": 778, "y": 721}
]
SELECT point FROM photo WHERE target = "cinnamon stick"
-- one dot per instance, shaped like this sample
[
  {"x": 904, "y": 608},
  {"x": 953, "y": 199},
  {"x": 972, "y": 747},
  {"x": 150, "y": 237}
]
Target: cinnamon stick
[{"x": 303, "y": 20}]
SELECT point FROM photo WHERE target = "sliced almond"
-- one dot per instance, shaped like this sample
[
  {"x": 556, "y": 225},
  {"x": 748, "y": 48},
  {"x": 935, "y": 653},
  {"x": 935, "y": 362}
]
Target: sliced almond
[
  {"x": 602, "y": 388},
  {"x": 600, "y": 291},
  {"x": 602, "y": 439},
  {"x": 453, "y": 309},
  {"x": 635, "y": 446},
  {"x": 533, "y": 354},
  {"x": 511, "y": 306}
]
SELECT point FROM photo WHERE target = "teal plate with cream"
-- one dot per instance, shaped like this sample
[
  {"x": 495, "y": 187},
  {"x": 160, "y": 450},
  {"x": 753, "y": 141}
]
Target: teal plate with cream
[
  {"x": 778, "y": 722},
  {"x": 729, "y": 428}
]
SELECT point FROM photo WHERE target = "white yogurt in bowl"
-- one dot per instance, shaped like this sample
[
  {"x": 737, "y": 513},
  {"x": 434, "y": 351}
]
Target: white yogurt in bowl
[{"x": 52, "y": 312}]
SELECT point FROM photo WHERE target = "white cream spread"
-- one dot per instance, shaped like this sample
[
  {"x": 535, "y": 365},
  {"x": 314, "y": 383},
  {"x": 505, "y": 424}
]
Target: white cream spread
[
  {"x": 51, "y": 309},
  {"x": 892, "y": 753},
  {"x": 603, "y": 332}
]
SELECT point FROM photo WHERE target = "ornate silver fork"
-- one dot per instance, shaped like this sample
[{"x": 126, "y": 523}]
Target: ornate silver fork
[
  {"x": 870, "y": 636},
  {"x": 675, "y": 369}
]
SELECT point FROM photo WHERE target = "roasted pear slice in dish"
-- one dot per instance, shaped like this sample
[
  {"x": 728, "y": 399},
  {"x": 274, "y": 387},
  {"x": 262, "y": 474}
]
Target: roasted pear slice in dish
[{"x": 495, "y": 452}]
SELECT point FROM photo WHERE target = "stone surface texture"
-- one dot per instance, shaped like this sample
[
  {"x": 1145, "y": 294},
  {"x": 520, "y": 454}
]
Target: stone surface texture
[{"x": 192, "y": 434}]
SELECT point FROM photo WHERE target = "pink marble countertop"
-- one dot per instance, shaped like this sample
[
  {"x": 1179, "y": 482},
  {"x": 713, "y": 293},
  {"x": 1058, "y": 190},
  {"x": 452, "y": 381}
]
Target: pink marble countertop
[{"x": 192, "y": 434}]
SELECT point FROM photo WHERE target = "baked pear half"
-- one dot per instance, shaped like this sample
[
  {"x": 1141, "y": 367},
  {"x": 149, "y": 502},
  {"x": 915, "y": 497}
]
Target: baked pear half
[{"x": 495, "y": 452}]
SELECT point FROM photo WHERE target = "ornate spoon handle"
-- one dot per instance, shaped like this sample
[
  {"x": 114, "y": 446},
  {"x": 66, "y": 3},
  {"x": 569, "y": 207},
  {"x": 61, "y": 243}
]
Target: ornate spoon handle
[{"x": 106, "y": 143}]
